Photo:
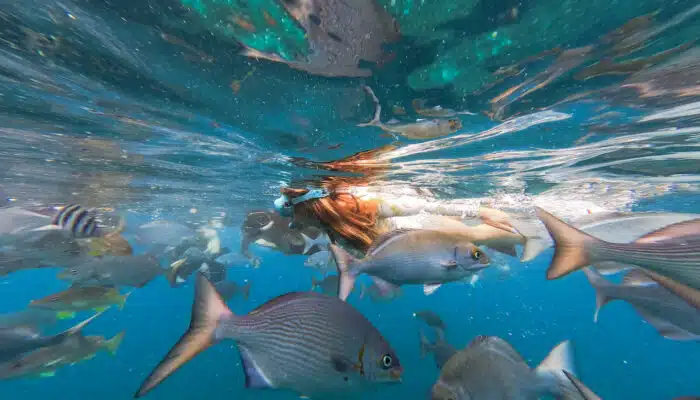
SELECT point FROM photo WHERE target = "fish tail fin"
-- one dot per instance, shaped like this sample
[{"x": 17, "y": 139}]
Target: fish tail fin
[
  {"x": 551, "y": 369},
  {"x": 209, "y": 311},
  {"x": 308, "y": 243},
  {"x": 571, "y": 246},
  {"x": 76, "y": 329},
  {"x": 122, "y": 301},
  {"x": 344, "y": 261},
  {"x": 113, "y": 344},
  {"x": 171, "y": 273},
  {"x": 246, "y": 290},
  {"x": 600, "y": 285},
  {"x": 376, "y": 120},
  {"x": 425, "y": 345},
  {"x": 534, "y": 242}
]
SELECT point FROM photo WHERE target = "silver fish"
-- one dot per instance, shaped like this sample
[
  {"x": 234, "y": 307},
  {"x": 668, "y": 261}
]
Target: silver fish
[
  {"x": 305, "y": 342},
  {"x": 323, "y": 261},
  {"x": 32, "y": 318},
  {"x": 17, "y": 340},
  {"x": 441, "y": 350},
  {"x": 400, "y": 257},
  {"x": 671, "y": 255},
  {"x": 16, "y": 219},
  {"x": 135, "y": 271},
  {"x": 419, "y": 130},
  {"x": 672, "y": 317},
  {"x": 615, "y": 227},
  {"x": 45, "y": 361},
  {"x": 430, "y": 318},
  {"x": 490, "y": 368}
]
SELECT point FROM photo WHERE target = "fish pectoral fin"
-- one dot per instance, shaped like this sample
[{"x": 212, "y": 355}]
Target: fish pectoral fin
[
  {"x": 343, "y": 364},
  {"x": 449, "y": 264},
  {"x": 429, "y": 289}
]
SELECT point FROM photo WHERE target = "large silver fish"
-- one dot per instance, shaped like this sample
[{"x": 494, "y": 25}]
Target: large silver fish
[
  {"x": 671, "y": 255},
  {"x": 615, "y": 227},
  {"x": 45, "y": 361},
  {"x": 17, "y": 340},
  {"x": 490, "y": 368},
  {"x": 672, "y": 317},
  {"x": 425, "y": 257},
  {"x": 134, "y": 271},
  {"x": 305, "y": 342}
]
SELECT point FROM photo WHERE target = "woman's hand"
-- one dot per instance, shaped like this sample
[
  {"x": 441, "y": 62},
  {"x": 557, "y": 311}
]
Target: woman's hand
[{"x": 496, "y": 218}]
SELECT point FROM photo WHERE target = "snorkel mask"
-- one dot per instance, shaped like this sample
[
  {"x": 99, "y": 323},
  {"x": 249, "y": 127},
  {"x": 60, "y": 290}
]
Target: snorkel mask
[{"x": 285, "y": 206}]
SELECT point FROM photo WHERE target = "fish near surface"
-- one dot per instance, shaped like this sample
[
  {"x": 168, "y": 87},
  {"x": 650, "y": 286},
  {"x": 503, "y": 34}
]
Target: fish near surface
[
  {"x": 490, "y": 368},
  {"x": 669, "y": 314},
  {"x": 671, "y": 255},
  {"x": 134, "y": 271},
  {"x": 616, "y": 227},
  {"x": 419, "y": 130},
  {"x": 14, "y": 341},
  {"x": 306, "y": 342},
  {"x": 400, "y": 257}
]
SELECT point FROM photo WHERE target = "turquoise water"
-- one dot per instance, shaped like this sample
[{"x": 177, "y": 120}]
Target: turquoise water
[{"x": 169, "y": 139}]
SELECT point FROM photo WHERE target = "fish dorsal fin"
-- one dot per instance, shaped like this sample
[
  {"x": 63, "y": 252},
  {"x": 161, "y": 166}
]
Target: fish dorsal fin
[
  {"x": 284, "y": 299},
  {"x": 637, "y": 277},
  {"x": 386, "y": 238},
  {"x": 678, "y": 230}
]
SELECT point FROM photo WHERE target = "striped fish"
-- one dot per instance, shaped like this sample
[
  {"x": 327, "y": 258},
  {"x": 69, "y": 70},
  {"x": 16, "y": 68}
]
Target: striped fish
[
  {"x": 77, "y": 220},
  {"x": 670, "y": 256},
  {"x": 306, "y": 342}
]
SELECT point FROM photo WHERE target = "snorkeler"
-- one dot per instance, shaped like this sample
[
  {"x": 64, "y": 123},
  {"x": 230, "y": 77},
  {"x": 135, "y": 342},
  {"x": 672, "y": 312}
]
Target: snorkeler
[{"x": 269, "y": 229}]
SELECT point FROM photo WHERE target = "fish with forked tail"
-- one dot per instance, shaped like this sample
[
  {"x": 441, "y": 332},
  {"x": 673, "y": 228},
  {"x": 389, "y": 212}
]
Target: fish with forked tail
[
  {"x": 670, "y": 255},
  {"x": 416, "y": 256},
  {"x": 305, "y": 342},
  {"x": 419, "y": 130},
  {"x": 670, "y": 315},
  {"x": 490, "y": 368}
]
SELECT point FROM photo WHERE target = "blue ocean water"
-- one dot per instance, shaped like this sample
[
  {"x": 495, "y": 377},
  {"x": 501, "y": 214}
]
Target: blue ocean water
[{"x": 119, "y": 106}]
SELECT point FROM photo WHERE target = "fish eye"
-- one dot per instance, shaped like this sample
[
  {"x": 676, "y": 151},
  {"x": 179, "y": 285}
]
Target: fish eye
[
  {"x": 387, "y": 361},
  {"x": 476, "y": 254}
]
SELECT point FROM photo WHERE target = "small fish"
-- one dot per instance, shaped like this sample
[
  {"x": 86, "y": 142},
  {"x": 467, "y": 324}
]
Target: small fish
[
  {"x": 231, "y": 259},
  {"x": 672, "y": 317},
  {"x": 379, "y": 291},
  {"x": 420, "y": 130},
  {"x": 77, "y": 220},
  {"x": 328, "y": 285},
  {"x": 490, "y": 368},
  {"x": 45, "y": 361},
  {"x": 268, "y": 18},
  {"x": 441, "y": 350},
  {"x": 321, "y": 241},
  {"x": 243, "y": 23},
  {"x": 305, "y": 342},
  {"x": 228, "y": 289},
  {"x": 323, "y": 261},
  {"x": 425, "y": 257},
  {"x": 671, "y": 255},
  {"x": 430, "y": 318},
  {"x": 135, "y": 271},
  {"x": 17, "y": 340},
  {"x": 436, "y": 111},
  {"x": 81, "y": 298},
  {"x": 194, "y": 260}
]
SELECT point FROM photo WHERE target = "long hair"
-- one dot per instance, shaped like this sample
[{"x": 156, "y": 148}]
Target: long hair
[{"x": 352, "y": 218}]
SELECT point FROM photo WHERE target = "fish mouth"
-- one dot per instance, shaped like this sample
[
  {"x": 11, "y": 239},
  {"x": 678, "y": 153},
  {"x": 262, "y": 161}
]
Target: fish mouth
[{"x": 395, "y": 375}]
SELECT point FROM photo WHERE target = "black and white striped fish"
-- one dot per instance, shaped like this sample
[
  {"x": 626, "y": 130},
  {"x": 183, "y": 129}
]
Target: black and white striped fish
[{"x": 78, "y": 220}]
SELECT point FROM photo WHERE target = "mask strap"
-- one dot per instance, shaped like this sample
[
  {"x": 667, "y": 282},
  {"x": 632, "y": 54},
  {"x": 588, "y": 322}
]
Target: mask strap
[{"x": 311, "y": 195}]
